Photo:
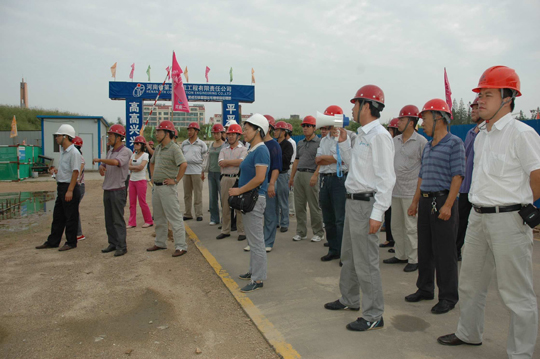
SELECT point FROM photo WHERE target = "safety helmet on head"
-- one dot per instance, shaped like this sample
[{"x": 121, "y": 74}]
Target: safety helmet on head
[
  {"x": 259, "y": 121},
  {"x": 437, "y": 105},
  {"x": 166, "y": 126},
  {"x": 333, "y": 110},
  {"x": 67, "y": 130},
  {"x": 393, "y": 123},
  {"x": 77, "y": 141},
  {"x": 140, "y": 139},
  {"x": 235, "y": 128},
  {"x": 194, "y": 125},
  {"x": 281, "y": 125},
  {"x": 231, "y": 122},
  {"x": 118, "y": 130},
  {"x": 271, "y": 121},
  {"x": 371, "y": 93},
  {"x": 150, "y": 143},
  {"x": 475, "y": 102},
  {"x": 289, "y": 126},
  {"x": 499, "y": 77},
  {"x": 218, "y": 127},
  {"x": 409, "y": 111},
  {"x": 309, "y": 120},
  {"x": 175, "y": 133}
]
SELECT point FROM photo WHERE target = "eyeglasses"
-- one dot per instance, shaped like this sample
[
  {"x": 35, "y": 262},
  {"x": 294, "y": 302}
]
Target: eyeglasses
[{"x": 306, "y": 125}]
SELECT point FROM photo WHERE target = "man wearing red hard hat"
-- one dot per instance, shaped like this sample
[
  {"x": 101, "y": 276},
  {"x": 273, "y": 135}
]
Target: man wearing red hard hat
[
  {"x": 499, "y": 239},
  {"x": 194, "y": 150}
]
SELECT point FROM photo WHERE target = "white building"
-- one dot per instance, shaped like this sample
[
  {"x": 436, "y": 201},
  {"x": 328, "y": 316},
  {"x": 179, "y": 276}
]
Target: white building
[
  {"x": 92, "y": 130},
  {"x": 180, "y": 119}
]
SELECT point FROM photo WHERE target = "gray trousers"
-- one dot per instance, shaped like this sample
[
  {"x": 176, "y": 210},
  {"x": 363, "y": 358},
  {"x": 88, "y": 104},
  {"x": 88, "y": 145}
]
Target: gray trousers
[
  {"x": 167, "y": 209},
  {"x": 305, "y": 194},
  {"x": 253, "y": 224},
  {"x": 114, "y": 203},
  {"x": 499, "y": 243},
  {"x": 193, "y": 185},
  {"x": 404, "y": 230},
  {"x": 360, "y": 257}
]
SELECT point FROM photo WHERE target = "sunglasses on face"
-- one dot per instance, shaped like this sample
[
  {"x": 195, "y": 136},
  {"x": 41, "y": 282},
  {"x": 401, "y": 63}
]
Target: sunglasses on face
[{"x": 307, "y": 125}]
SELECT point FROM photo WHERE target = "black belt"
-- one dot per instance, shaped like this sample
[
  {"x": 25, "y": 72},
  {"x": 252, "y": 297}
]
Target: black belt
[
  {"x": 497, "y": 209},
  {"x": 233, "y": 176},
  {"x": 360, "y": 196},
  {"x": 435, "y": 194},
  {"x": 158, "y": 183},
  {"x": 283, "y": 172},
  {"x": 333, "y": 174},
  {"x": 306, "y": 170}
]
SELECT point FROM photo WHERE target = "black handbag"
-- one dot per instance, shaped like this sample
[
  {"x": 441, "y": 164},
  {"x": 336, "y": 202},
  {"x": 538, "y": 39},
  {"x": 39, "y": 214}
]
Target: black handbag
[{"x": 246, "y": 201}]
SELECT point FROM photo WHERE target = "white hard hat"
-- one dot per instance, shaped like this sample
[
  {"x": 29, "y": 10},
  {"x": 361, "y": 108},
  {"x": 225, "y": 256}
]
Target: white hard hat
[
  {"x": 231, "y": 122},
  {"x": 67, "y": 130},
  {"x": 260, "y": 121}
]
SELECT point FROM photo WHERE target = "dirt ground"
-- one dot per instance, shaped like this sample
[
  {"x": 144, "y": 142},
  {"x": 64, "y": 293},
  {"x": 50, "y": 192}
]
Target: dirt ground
[{"x": 85, "y": 304}]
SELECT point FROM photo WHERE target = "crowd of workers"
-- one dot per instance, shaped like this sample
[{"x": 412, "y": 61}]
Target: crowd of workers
[{"x": 451, "y": 201}]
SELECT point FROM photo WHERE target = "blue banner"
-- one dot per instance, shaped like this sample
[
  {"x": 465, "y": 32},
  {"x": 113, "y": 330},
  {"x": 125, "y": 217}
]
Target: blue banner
[
  {"x": 230, "y": 111},
  {"x": 134, "y": 120}
]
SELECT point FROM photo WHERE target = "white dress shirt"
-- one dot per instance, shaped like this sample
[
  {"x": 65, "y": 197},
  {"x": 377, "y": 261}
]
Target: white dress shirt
[
  {"x": 327, "y": 147},
  {"x": 293, "y": 143},
  {"x": 503, "y": 161},
  {"x": 371, "y": 165},
  {"x": 194, "y": 153},
  {"x": 70, "y": 160}
]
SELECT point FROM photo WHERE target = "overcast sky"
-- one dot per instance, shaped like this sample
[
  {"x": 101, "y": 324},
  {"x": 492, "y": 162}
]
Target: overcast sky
[{"x": 307, "y": 55}]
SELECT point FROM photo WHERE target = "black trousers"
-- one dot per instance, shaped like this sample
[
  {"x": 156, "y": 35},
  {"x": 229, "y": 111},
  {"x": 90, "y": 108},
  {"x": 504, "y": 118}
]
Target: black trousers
[
  {"x": 388, "y": 224},
  {"x": 114, "y": 203},
  {"x": 464, "y": 210},
  {"x": 65, "y": 216},
  {"x": 332, "y": 197},
  {"x": 437, "y": 250}
]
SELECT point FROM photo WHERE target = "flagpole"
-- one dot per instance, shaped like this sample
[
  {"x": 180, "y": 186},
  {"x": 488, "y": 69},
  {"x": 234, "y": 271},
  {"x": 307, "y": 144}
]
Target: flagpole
[{"x": 154, "y": 105}]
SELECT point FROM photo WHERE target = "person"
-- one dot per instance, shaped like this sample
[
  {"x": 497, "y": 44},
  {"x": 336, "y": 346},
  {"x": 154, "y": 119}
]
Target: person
[
  {"x": 464, "y": 205},
  {"x": 387, "y": 225},
  {"x": 441, "y": 173},
  {"x": 138, "y": 184},
  {"x": 506, "y": 176},
  {"x": 254, "y": 171},
  {"x": 167, "y": 166},
  {"x": 78, "y": 143},
  {"x": 369, "y": 191},
  {"x": 115, "y": 168},
  {"x": 66, "y": 206},
  {"x": 194, "y": 150},
  {"x": 306, "y": 191},
  {"x": 291, "y": 190},
  {"x": 282, "y": 188},
  {"x": 409, "y": 146},
  {"x": 230, "y": 158},
  {"x": 214, "y": 172},
  {"x": 332, "y": 192},
  {"x": 150, "y": 150}
]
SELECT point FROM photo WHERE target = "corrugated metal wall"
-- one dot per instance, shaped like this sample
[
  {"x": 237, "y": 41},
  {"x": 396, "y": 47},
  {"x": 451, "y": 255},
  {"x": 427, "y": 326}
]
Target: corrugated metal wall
[{"x": 31, "y": 137}]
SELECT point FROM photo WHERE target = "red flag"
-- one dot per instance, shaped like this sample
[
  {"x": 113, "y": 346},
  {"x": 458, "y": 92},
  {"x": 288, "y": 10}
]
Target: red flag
[
  {"x": 448, "y": 92},
  {"x": 132, "y": 70},
  {"x": 206, "y": 74},
  {"x": 180, "y": 102}
]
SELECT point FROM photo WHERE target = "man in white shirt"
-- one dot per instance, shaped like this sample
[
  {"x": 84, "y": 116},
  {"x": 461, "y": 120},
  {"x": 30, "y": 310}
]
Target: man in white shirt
[
  {"x": 506, "y": 176},
  {"x": 369, "y": 187},
  {"x": 194, "y": 150},
  {"x": 291, "y": 190}
]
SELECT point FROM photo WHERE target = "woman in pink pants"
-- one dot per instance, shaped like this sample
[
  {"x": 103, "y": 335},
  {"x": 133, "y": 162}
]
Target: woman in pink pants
[{"x": 138, "y": 184}]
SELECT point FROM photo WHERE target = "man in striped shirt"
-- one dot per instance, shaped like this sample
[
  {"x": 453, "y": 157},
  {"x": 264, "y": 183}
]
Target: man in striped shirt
[{"x": 439, "y": 180}]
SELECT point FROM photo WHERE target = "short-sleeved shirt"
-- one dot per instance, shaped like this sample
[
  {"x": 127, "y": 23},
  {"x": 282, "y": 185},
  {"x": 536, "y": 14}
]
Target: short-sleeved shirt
[
  {"x": 441, "y": 163},
  {"x": 407, "y": 162},
  {"x": 70, "y": 160},
  {"x": 287, "y": 152},
  {"x": 275, "y": 155},
  {"x": 227, "y": 153},
  {"x": 469, "y": 160},
  {"x": 115, "y": 176},
  {"x": 257, "y": 156},
  {"x": 166, "y": 160},
  {"x": 328, "y": 147},
  {"x": 193, "y": 153},
  {"x": 140, "y": 175},
  {"x": 306, "y": 151},
  {"x": 293, "y": 143},
  {"x": 80, "y": 180},
  {"x": 213, "y": 157}
]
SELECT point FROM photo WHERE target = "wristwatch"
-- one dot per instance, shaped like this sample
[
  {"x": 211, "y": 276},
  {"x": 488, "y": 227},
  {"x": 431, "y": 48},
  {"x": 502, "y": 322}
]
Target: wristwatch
[{"x": 175, "y": 181}]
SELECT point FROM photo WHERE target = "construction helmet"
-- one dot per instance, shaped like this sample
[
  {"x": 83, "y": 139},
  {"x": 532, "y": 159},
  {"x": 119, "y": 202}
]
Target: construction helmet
[
  {"x": 194, "y": 125},
  {"x": 231, "y": 122},
  {"x": 235, "y": 128},
  {"x": 309, "y": 120},
  {"x": 333, "y": 110},
  {"x": 475, "y": 102},
  {"x": 77, "y": 141},
  {"x": 437, "y": 105},
  {"x": 499, "y": 77},
  {"x": 282, "y": 125},
  {"x": 409, "y": 111},
  {"x": 150, "y": 143},
  {"x": 166, "y": 126},
  {"x": 218, "y": 127},
  {"x": 289, "y": 125},
  {"x": 67, "y": 130},
  {"x": 271, "y": 121},
  {"x": 371, "y": 93},
  {"x": 140, "y": 139},
  {"x": 393, "y": 123},
  {"x": 118, "y": 130},
  {"x": 259, "y": 121}
]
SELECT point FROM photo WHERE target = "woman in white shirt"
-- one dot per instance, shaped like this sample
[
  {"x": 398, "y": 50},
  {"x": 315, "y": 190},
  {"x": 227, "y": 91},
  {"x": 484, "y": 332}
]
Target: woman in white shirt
[{"x": 138, "y": 184}]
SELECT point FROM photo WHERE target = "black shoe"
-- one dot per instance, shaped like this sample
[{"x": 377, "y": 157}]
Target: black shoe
[
  {"x": 394, "y": 260},
  {"x": 45, "y": 246},
  {"x": 388, "y": 244},
  {"x": 277, "y": 226},
  {"x": 222, "y": 235},
  {"x": 391, "y": 250},
  {"x": 233, "y": 229},
  {"x": 418, "y": 296},
  {"x": 326, "y": 244},
  {"x": 338, "y": 306},
  {"x": 362, "y": 325},
  {"x": 329, "y": 257},
  {"x": 246, "y": 276},
  {"x": 120, "y": 252},
  {"x": 187, "y": 218},
  {"x": 199, "y": 219},
  {"x": 340, "y": 263},
  {"x": 452, "y": 340},
  {"x": 219, "y": 227},
  {"x": 444, "y": 306},
  {"x": 241, "y": 237},
  {"x": 411, "y": 267},
  {"x": 110, "y": 248},
  {"x": 284, "y": 229}
]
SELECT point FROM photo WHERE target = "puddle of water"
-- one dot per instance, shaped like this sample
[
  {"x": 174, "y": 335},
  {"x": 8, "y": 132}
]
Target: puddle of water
[
  {"x": 21, "y": 210},
  {"x": 408, "y": 323}
]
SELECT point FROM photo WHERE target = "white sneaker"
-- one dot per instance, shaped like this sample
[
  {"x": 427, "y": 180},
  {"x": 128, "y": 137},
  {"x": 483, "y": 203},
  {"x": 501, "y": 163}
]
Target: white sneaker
[
  {"x": 298, "y": 238},
  {"x": 247, "y": 248},
  {"x": 212, "y": 223},
  {"x": 268, "y": 249},
  {"x": 316, "y": 239}
]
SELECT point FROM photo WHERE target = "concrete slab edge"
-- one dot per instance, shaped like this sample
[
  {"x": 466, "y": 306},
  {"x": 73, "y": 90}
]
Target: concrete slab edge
[{"x": 267, "y": 329}]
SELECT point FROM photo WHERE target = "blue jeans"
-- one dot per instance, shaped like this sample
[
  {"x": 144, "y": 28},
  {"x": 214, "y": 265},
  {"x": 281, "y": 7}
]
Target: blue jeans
[
  {"x": 332, "y": 196},
  {"x": 270, "y": 221},
  {"x": 282, "y": 194},
  {"x": 214, "y": 188}
]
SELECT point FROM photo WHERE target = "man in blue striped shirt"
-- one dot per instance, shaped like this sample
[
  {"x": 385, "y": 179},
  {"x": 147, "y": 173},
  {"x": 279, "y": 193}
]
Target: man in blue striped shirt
[{"x": 439, "y": 180}]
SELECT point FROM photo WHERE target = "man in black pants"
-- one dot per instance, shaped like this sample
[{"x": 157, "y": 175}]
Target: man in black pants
[{"x": 66, "y": 207}]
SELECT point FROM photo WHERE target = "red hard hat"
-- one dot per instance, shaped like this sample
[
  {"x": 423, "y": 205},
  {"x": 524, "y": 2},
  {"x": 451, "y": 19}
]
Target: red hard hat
[
  {"x": 475, "y": 102},
  {"x": 393, "y": 123},
  {"x": 333, "y": 110},
  {"x": 235, "y": 128},
  {"x": 194, "y": 125},
  {"x": 218, "y": 127},
  {"x": 499, "y": 77},
  {"x": 271, "y": 121},
  {"x": 289, "y": 125},
  {"x": 150, "y": 143},
  {"x": 309, "y": 120},
  {"x": 435, "y": 105},
  {"x": 118, "y": 129},
  {"x": 166, "y": 125},
  {"x": 140, "y": 139},
  {"x": 409, "y": 111},
  {"x": 77, "y": 141},
  {"x": 175, "y": 132},
  {"x": 369, "y": 92},
  {"x": 282, "y": 125}
]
